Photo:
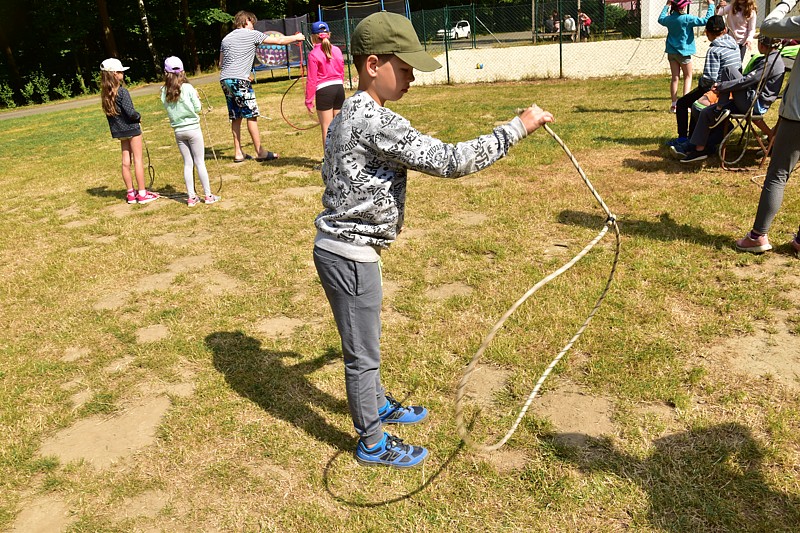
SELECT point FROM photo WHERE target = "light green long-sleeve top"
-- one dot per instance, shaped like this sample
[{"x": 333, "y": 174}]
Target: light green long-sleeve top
[
  {"x": 183, "y": 114},
  {"x": 777, "y": 25}
]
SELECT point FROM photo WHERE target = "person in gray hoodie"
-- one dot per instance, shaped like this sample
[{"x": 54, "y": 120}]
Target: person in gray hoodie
[{"x": 785, "y": 149}]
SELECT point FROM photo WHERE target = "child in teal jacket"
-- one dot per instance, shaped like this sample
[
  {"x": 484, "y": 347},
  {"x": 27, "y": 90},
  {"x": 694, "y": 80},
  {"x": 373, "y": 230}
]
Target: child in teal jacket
[{"x": 680, "y": 42}]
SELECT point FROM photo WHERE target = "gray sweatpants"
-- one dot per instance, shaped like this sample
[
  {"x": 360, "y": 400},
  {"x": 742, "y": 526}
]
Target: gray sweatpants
[
  {"x": 355, "y": 293},
  {"x": 193, "y": 150},
  {"x": 785, "y": 153}
]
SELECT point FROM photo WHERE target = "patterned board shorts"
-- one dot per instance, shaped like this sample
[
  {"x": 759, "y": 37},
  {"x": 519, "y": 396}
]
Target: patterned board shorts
[{"x": 241, "y": 98}]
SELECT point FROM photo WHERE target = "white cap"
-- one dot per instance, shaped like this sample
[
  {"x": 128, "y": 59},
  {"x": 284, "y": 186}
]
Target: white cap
[{"x": 112, "y": 64}]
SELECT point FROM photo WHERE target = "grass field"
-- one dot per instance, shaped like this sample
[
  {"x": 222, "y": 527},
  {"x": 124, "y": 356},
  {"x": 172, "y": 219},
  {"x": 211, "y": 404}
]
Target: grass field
[{"x": 166, "y": 368}]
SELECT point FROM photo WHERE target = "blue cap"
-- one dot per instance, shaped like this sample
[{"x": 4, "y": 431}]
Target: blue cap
[{"x": 320, "y": 27}]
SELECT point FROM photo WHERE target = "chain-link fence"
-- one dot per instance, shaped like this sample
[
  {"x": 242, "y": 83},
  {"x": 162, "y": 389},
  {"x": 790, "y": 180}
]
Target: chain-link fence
[{"x": 543, "y": 39}]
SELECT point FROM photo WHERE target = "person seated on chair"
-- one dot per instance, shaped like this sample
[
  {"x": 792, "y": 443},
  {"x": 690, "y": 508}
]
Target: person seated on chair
[
  {"x": 737, "y": 93},
  {"x": 723, "y": 52}
]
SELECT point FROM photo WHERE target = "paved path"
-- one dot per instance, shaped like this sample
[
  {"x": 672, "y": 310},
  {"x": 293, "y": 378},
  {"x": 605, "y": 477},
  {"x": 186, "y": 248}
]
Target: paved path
[{"x": 150, "y": 88}]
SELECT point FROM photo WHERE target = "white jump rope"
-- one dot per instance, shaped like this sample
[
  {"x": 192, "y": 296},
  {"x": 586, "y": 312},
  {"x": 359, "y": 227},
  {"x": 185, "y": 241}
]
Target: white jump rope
[{"x": 611, "y": 221}]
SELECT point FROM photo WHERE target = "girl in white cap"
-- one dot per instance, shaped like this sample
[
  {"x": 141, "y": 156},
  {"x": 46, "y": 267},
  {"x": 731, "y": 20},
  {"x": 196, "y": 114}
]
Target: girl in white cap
[
  {"x": 125, "y": 124},
  {"x": 325, "y": 77},
  {"x": 182, "y": 103}
]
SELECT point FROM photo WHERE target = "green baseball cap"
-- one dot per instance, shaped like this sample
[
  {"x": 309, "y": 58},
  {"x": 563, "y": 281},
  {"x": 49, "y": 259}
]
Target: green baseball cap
[{"x": 390, "y": 33}]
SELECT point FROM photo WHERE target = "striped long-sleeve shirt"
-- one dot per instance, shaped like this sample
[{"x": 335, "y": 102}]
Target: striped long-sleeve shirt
[{"x": 723, "y": 53}]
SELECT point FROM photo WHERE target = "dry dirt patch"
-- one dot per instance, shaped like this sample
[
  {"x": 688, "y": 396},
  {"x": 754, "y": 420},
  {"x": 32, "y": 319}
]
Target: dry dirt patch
[
  {"x": 102, "y": 441},
  {"x": 153, "y": 333},
  {"x": 449, "y": 290},
  {"x": 484, "y": 383},
  {"x": 73, "y": 353},
  {"x": 281, "y": 326},
  {"x": 46, "y": 514},
  {"x": 147, "y": 504},
  {"x": 574, "y": 414}
]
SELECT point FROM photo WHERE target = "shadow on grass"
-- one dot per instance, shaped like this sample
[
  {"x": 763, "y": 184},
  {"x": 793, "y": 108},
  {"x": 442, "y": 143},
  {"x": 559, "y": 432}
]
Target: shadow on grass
[
  {"x": 586, "y": 109},
  {"x": 666, "y": 163},
  {"x": 665, "y": 229},
  {"x": 226, "y": 156},
  {"x": 707, "y": 479},
  {"x": 632, "y": 141},
  {"x": 283, "y": 390},
  {"x": 347, "y": 498}
]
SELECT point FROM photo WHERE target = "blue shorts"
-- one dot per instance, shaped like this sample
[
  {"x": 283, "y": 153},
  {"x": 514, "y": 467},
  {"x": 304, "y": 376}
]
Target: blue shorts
[{"x": 240, "y": 97}]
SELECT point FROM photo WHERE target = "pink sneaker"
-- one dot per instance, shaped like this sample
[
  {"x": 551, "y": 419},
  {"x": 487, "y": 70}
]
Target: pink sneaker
[
  {"x": 753, "y": 244},
  {"x": 147, "y": 197},
  {"x": 192, "y": 201},
  {"x": 211, "y": 198},
  {"x": 131, "y": 196}
]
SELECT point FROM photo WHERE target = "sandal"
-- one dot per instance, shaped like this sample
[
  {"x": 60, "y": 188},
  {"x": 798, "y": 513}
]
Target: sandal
[
  {"x": 244, "y": 158},
  {"x": 268, "y": 157}
]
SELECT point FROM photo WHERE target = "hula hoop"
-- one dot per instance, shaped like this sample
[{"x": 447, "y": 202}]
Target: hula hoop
[{"x": 303, "y": 74}]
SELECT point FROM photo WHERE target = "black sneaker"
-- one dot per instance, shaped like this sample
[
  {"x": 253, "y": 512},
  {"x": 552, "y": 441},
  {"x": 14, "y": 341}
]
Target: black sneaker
[
  {"x": 694, "y": 155},
  {"x": 720, "y": 116},
  {"x": 680, "y": 150}
]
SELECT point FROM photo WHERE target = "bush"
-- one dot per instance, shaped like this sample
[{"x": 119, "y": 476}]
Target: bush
[
  {"x": 41, "y": 86},
  {"x": 27, "y": 94},
  {"x": 63, "y": 89},
  {"x": 7, "y": 96},
  {"x": 615, "y": 17}
]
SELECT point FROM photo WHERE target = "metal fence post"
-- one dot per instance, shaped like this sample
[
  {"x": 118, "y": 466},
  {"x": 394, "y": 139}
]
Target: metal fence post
[
  {"x": 447, "y": 41},
  {"x": 561, "y": 40}
]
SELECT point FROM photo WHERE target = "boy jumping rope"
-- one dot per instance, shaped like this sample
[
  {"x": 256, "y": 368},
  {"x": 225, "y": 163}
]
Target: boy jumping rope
[{"x": 368, "y": 153}]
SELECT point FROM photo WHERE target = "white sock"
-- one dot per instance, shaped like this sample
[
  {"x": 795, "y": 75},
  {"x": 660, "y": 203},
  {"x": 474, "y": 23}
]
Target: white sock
[{"x": 142, "y": 192}]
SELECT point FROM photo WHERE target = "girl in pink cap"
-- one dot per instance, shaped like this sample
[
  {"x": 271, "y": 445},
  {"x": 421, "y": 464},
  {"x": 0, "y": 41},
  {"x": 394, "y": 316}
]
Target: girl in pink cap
[{"x": 325, "y": 77}]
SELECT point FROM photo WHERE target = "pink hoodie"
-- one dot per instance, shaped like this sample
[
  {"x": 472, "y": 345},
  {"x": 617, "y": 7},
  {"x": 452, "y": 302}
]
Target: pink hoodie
[{"x": 322, "y": 71}]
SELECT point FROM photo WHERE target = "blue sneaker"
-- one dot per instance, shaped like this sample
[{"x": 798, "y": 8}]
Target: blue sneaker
[
  {"x": 680, "y": 150},
  {"x": 393, "y": 412},
  {"x": 677, "y": 141},
  {"x": 391, "y": 451}
]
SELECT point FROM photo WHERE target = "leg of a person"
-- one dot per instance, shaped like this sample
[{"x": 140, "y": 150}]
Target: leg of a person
[
  {"x": 675, "y": 71},
  {"x": 687, "y": 77},
  {"x": 252, "y": 128},
  {"x": 354, "y": 292},
  {"x": 236, "y": 130},
  {"x": 703, "y": 127},
  {"x": 182, "y": 139},
  {"x": 325, "y": 118},
  {"x": 138, "y": 165},
  {"x": 785, "y": 153},
  {"x": 198, "y": 152},
  {"x": 682, "y": 110},
  {"x": 125, "y": 144}
]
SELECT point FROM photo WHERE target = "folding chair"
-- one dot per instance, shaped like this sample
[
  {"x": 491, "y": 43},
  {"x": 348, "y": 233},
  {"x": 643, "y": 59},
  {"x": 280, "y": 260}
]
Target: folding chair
[{"x": 741, "y": 127}]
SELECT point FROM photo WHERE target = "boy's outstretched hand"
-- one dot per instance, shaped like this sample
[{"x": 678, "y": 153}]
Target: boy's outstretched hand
[{"x": 534, "y": 117}]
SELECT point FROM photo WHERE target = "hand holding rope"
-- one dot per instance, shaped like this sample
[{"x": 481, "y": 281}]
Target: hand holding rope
[{"x": 611, "y": 221}]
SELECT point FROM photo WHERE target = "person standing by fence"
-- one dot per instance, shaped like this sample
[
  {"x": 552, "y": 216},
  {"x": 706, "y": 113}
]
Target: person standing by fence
[{"x": 680, "y": 43}]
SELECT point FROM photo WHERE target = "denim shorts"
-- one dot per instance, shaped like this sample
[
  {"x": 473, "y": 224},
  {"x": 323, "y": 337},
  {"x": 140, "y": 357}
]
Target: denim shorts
[{"x": 240, "y": 97}]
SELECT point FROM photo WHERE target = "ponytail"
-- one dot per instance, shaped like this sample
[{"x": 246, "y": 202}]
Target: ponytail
[{"x": 326, "y": 47}]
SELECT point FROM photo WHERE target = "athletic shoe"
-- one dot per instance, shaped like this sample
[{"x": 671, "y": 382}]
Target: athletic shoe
[
  {"x": 755, "y": 244},
  {"x": 393, "y": 412},
  {"x": 147, "y": 197},
  {"x": 677, "y": 141},
  {"x": 795, "y": 245},
  {"x": 211, "y": 198},
  {"x": 391, "y": 451},
  {"x": 192, "y": 201},
  {"x": 720, "y": 116},
  {"x": 680, "y": 150},
  {"x": 695, "y": 155},
  {"x": 131, "y": 197}
]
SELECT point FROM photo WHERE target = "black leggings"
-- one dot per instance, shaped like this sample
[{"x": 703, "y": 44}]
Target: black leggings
[{"x": 682, "y": 107}]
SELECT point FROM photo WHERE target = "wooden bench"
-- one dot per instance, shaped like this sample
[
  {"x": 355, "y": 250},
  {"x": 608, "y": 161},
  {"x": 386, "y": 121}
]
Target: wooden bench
[{"x": 553, "y": 36}]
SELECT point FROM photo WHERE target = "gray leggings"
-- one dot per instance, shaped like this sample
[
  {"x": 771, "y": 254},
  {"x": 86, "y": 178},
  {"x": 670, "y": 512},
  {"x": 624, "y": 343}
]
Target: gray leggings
[
  {"x": 785, "y": 153},
  {"x": 193, "y": 150},
  {"x": 355, "y": 293}
]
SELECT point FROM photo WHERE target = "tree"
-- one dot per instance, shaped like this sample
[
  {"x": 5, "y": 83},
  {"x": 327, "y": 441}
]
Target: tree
[
  {"x": 108, "y": 35},
  {"x": 149, "y": 36},
  {"x": 188, "y": 29}
]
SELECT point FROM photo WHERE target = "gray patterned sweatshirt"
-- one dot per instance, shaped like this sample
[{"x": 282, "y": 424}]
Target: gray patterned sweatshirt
[{"x": 367, "y": 155}]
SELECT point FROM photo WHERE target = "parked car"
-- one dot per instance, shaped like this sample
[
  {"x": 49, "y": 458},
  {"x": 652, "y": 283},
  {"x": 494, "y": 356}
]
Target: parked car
[{"x": 461, "y": 29}]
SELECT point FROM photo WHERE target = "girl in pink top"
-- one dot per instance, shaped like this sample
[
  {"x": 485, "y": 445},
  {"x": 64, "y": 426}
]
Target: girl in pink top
[
  {"x": 325, "y": 77},
  {"x": 740, "y": 18}
]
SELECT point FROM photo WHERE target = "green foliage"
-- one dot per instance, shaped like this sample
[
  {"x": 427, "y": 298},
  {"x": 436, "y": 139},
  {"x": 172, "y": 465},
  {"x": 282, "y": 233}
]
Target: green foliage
[
  {"x": 7, "y": 96},
  {"x": 206, "y": 17},
  {"x": 27, "y": 93},
  {"x": 614, "y": 16},
  {"x": 63, "y": 89},
  {"x": 38, "y": 85}
]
